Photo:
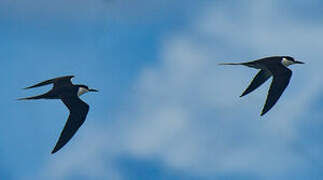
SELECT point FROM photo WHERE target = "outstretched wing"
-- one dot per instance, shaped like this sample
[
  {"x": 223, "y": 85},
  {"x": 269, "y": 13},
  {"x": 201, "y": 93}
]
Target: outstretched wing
[
  {"x": 60, "y": 81},
  {"x": 259, "y": 79},
  {"x": 78, "y": 111},
  {"x": 280, "y": 81}
]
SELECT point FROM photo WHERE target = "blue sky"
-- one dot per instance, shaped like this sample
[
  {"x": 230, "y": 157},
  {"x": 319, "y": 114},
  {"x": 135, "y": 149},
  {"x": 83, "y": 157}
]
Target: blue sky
[{"x": 165, "y": 109}]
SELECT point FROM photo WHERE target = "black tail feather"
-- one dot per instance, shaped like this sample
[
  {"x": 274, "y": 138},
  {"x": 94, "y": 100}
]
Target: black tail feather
[{"x": 47, "y": 95}]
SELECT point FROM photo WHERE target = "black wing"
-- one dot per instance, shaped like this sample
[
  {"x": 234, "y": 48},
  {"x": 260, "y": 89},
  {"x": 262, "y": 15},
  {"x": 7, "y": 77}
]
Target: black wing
[
  {"x": 259, "y": 79},
  {"x": 280, "y": 81},
  {"x": 56, "y": 81},
  {"x": 78, "y": 111}
]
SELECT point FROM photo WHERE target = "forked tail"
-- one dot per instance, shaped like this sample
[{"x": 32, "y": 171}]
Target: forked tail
[
  {"x": 231, "y": 63},
  {"x": 43, "y": 96}
]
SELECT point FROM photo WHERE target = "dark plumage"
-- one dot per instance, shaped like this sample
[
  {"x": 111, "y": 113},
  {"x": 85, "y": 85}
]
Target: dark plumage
[
  {"x": 69, "y": 94},
  {"x": 275, "y": 66}
]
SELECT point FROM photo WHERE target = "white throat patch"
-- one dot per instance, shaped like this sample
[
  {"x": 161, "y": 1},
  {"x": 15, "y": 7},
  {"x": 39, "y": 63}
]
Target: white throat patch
[
  {"x": 287, "y": 62},
  {"x": 82, "y": 91}
]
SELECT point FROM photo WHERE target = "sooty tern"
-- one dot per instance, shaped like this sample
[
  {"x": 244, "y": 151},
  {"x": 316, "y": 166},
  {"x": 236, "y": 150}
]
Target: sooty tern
[
  {"x": 275, "y": 66},
  {"x": 69, "y": 93}
]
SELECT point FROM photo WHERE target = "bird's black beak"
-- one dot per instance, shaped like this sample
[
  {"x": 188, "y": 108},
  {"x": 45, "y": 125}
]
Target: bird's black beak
[
  {"x": 93, "y": 90},
  {"x": 299, "y": 62}
]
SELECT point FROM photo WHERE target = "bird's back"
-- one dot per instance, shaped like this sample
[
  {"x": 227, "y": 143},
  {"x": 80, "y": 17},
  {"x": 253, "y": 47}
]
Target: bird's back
[
  {"x": 269, "y": 61},
  {"x": 65, "y": 91}
]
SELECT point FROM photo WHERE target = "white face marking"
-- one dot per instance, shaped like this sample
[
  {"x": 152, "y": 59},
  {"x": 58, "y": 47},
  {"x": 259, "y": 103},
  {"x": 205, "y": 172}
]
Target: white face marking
[
  {"x": 287, "y": 62},
  {"x": 82, "y": 91}
]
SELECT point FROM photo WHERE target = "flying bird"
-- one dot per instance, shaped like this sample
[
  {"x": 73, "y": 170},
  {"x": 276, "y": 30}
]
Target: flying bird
[
  {"x": 69, "y": 93},
  {"x": 275, "y": 66}
]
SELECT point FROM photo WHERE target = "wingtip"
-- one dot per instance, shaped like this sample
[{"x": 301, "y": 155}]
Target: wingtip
[
  {"x": 29, "y": 87},
  {"x": 263, "y": 113},
  {"x": 21, "y": 99},
  {"x": 65, "y": 76},
  {"x": 54, "y": 150},
  {"x": 26, "y": 98}
]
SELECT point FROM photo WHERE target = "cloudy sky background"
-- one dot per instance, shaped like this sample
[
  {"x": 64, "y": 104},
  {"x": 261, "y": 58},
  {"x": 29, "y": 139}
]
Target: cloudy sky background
[{"x": 165, "y": 109}]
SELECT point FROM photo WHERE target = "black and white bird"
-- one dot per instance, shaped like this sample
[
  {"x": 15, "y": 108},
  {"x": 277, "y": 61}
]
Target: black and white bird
[
  {"x": 69, "y": 93},
  {"x": 275, "y": 66}
]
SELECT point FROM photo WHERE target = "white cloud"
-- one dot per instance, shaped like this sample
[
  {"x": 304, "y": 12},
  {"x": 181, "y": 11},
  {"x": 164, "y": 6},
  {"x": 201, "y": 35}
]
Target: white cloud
[
  {"x": 187, "y": 113},
  {"x": 86, "y": 158}
]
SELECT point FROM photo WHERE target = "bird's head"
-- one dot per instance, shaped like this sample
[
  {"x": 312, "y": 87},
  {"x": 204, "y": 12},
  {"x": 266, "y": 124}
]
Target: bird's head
[
  {"x": 287, "y": 60},
  {"x": 82, "y": 89}
]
